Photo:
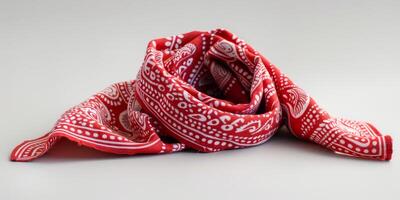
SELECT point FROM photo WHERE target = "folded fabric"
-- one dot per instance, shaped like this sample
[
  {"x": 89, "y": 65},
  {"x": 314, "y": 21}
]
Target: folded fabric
[{"x": 206, "y": 91}]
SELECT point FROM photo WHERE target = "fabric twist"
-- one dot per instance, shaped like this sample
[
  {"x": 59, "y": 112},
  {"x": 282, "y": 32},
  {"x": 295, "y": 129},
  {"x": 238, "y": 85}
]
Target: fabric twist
[{"x": 207, "y": 91}]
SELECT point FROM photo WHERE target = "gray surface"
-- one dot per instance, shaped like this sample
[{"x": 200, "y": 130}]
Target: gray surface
[{"x": 54, "y": 54}]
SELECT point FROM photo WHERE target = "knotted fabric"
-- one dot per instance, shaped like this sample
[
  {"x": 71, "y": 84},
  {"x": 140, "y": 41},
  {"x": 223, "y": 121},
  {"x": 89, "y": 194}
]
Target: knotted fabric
[{"x": 205, "y": 91}]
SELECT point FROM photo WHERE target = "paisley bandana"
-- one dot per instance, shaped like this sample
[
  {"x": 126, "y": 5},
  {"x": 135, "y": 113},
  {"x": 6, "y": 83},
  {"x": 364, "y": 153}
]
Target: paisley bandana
[{"x": 206, "y": 91}]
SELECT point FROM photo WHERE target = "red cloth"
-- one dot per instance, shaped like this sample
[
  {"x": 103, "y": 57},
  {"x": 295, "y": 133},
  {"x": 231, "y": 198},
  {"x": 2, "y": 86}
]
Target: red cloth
[{"x": 208, "y": 91}]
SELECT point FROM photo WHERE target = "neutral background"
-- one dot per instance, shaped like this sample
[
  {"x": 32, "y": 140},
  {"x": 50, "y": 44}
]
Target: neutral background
[{"x": 54, "y": 54}]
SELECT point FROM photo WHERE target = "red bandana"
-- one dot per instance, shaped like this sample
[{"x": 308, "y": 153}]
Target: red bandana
[{"x": 208, "y": 91}]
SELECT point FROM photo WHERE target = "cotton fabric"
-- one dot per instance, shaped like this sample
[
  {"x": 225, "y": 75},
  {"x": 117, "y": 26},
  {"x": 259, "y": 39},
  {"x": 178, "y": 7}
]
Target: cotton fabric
[{"x": 205, "y": 91}]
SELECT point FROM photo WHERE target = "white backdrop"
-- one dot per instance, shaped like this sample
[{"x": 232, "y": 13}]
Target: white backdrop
[{"x": 54, "y": 54}]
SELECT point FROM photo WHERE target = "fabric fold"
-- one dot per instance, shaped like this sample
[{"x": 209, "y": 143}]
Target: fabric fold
[{"x": 207, "y": 91}]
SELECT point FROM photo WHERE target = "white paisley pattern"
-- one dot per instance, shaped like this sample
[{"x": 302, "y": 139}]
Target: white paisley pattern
[
  {"x": 207, "y": 91},
  {"x": 297, "y": 101}
]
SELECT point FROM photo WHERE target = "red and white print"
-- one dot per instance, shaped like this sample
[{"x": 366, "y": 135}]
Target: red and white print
[{"x": 207, "y": 91}]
